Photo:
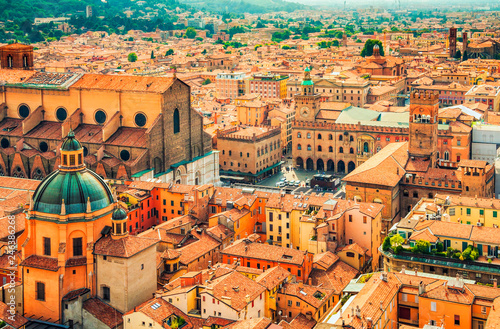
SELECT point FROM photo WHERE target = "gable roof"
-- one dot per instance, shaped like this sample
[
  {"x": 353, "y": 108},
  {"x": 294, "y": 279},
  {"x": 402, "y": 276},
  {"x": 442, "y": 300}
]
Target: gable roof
[
  {"x": 125, "y": 247},
  {"x": 235, "y": 286},
  {"x": 159, "y": 310},
  {"x": 386, "y": 168},
  {"x": 246, "y": 248},
  {"x": 103, "y": 312}
]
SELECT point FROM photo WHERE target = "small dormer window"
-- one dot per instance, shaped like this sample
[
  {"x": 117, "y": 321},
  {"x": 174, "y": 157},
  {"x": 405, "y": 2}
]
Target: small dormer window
[
  {"x": 65, "y": 160},
  {"x": 72, "y": 160},
  {"x": 80, "y": 159}
]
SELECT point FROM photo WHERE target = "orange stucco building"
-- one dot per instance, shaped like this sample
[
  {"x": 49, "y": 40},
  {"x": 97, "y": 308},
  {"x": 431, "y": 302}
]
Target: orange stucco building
[
  {"x": 262, "y": 256},
  {"x": 66, "y": 216}
]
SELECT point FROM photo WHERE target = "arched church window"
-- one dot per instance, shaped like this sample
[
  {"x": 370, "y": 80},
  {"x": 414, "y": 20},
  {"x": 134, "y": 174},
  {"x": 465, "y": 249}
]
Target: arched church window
[{"x": 177, "y": 127}]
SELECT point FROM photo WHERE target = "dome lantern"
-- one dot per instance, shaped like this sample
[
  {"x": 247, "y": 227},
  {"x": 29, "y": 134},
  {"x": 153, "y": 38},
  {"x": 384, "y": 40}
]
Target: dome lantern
[
  {"x": 119, "y": 222},
  {"x": 71, "y": 153}
]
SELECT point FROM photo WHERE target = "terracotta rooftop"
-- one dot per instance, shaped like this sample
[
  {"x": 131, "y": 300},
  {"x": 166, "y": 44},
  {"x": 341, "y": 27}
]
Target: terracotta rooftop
[
  {"x": 103, "y": 312},
  {"x": 41, "y": 262},
  {"x": 337, "y": 277},
  {"x": 14, "y": 76},
  {"x": 159, "y": 310},
  {"x": 385, "y": 168},
  {"x": 235, "y": 286},
  {"x": 125, "y": 247},
  {"x": 374, "y": 295},
  {"x": 124, "y": 83},
  {"x": 272, "y": 277},
  {"x": 19, "y": 321},
  {"x": 191, "y": 252},
  {"x": 247, "y": 249},
  {"x": 324, "y": 260},
  {"x": 424, "y": 235},
  {"x": 312, "y": 295}
]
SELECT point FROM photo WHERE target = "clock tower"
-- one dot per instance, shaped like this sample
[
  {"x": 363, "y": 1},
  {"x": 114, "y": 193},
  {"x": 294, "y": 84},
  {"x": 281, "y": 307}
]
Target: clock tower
[
  {"x": 424, "y": 126},
  {"x": 306, "y": 102}
]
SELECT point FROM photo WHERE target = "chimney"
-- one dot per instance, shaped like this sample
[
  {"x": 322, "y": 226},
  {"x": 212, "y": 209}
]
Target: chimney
[
  {"x": 247, "y": 299},
  {"x": 309, "y": 281},
  {"x": 403, "y": 269},
  {"x": 358, "y": 311},
  {"x": 383, "y": 276},
  {"x": 382, "y": 305},
  {"x": 495, "y": 284},
  {"x": 421, "y": 288}
]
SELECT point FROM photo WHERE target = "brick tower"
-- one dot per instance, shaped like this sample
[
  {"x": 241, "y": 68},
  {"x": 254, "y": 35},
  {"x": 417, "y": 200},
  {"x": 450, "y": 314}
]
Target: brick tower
[
  {"x": 464, "y": 42},
  {"x": 424, "y": 126},
  {"x": 453, "y": 41},
  {"x": 16, "y": 56}
]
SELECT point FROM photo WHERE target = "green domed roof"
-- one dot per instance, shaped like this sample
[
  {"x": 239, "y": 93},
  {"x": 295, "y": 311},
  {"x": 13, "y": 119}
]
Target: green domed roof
[
  {"x": 119, "y": 214},
  {"x": 71, "y": 143},
  {"x": 75, "y": 188},
  {"x": 307, "y": 69}
]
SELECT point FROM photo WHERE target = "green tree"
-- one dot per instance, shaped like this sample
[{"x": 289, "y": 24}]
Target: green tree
[
  {"x": 206, "y": 82},
  {"x": 36, "y": 36},
  {"x": 280, "y": 36},
  {"x": 422, "y": 247},
  {"x": 465, "y": 56},
  {"x": 257, "y": 46},
  {"x": 204, "y": 51},
  {"x": 132, "y": 57},
  {"x": 396, "y": 241},
  {"x": 386, "y": 245},
  {"x": 458, "y": 54},
  {"x": 169, "y": 52},
  {"x": 190, "y": 33},
  {"x": 152, "y": 54},
  {"x": 368, "y": 48},
  {"x": 286, "y": 47}
]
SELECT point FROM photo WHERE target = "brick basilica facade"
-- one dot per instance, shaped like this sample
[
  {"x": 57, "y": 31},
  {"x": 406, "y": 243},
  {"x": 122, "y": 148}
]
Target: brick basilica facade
[{"x": 129, "y": 126}]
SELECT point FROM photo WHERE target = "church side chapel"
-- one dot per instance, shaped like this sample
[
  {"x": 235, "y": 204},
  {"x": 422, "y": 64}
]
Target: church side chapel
[{"x": 76, "y": 244}]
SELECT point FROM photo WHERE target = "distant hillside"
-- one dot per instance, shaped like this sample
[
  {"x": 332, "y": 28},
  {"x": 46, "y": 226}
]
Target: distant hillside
[
  {"x": 248, "y": 6},
  {"x": 29, "y": 9}
]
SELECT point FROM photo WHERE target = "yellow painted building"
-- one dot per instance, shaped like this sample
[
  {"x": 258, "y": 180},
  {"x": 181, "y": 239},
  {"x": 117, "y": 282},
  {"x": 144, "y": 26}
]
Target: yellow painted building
[{"x": 468, "y": 210}]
